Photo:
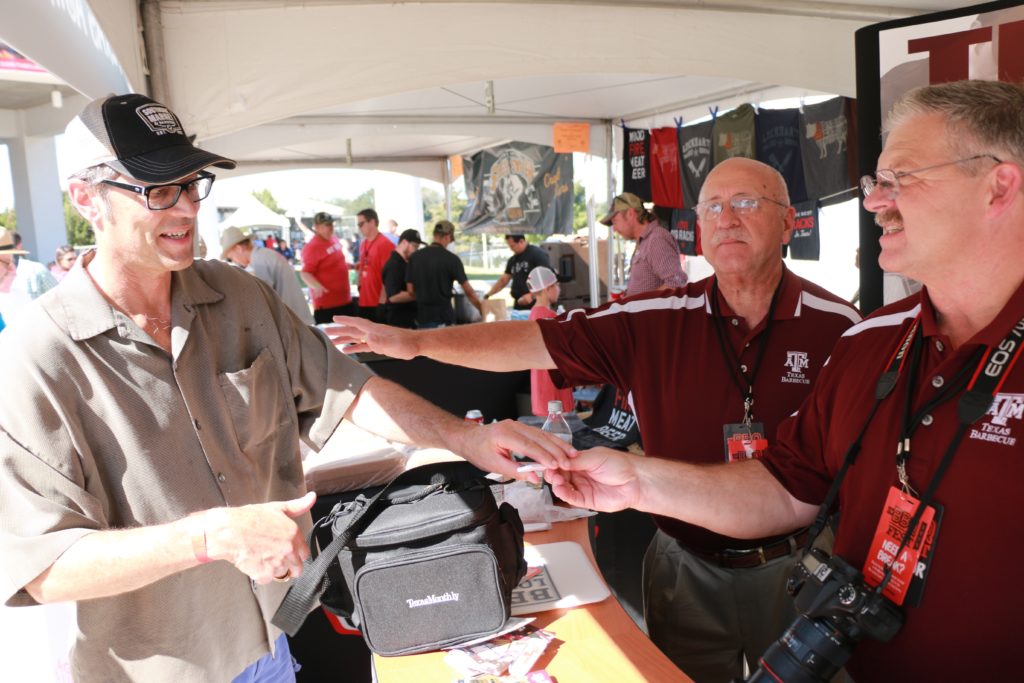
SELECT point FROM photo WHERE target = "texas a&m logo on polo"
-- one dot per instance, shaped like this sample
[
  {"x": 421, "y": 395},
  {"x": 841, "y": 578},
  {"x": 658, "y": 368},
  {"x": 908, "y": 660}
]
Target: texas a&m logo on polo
[
  {"x": 1004, "y": 414},
  {"x": 160, "y": 119},
  {"x": 796, "y": 362}
]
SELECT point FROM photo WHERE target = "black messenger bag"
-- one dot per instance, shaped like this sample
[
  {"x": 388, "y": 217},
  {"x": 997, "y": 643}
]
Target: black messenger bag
[{"x": 427, "y": 562}]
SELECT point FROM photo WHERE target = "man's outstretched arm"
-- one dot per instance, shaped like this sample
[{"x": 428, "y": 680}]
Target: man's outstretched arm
[
  {"x": 742, "y": 500},
  {"x": 389, "y": 410},
  {"x": 499, "y": 347}
]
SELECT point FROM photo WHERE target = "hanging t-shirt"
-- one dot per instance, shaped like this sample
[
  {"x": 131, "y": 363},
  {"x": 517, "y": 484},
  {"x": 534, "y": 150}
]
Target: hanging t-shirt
[
  {"x": 684, "y": 228},
  {"x": 824, "y": 129},
  {"x": 666, "y": 185},
  {"x": 734, "y": 134},
  {"x": 695, "y": 159},
  {"x": 778, "y": 145},
  {"x": 806, "y": 241},
  {"x": 636, "y": 162}
]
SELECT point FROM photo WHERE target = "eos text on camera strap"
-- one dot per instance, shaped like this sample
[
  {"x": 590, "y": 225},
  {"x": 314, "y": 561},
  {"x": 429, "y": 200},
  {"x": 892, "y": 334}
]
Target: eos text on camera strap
[{"x": 990, "y": 365}]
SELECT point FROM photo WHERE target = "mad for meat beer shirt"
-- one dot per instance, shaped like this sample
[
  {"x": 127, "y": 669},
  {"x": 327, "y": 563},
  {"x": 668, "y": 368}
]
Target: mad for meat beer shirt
[{"x": 636, "y": 162}]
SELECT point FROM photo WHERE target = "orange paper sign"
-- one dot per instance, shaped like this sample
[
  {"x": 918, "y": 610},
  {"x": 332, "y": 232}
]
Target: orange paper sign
[
  {"x": 456, "y": 166},
  {"x": 572, "y": 137}
]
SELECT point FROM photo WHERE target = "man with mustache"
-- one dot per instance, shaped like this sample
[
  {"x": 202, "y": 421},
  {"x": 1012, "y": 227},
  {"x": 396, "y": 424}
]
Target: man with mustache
[
  {"x": 710, "y": 370},
  {"x": 150, "y": 424},
  {"x": 922, "y": 399}
]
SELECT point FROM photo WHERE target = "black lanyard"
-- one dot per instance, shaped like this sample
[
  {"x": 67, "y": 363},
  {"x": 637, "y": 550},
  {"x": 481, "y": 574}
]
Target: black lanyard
[
  {"x": 732, "y": 360},
  {"x": 989, "y": 374}
]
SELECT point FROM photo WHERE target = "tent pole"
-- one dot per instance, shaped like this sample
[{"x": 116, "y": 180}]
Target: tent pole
[
  {"x": 153, "y": 42},
  {"x": 610, "y": 274},
  {"x": 447, "y": 173}
]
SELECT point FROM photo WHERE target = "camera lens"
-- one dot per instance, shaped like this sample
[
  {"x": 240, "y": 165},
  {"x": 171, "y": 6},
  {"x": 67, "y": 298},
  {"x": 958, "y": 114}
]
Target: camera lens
[{"x": 810, "y": 651}]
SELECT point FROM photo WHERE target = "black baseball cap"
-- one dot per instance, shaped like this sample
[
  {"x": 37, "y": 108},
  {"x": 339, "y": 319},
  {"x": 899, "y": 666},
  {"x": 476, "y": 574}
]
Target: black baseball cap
[
  {"x": 137, "y": 137},
  {"x": 322, "y": 217},
  {"x": 410, "y": 235}
]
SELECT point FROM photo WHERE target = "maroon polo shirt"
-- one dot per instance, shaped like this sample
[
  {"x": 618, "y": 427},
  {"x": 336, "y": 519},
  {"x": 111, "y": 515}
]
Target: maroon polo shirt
[
  {"x": 662, "y": 350},
  {"x": 968, "y": 621}
]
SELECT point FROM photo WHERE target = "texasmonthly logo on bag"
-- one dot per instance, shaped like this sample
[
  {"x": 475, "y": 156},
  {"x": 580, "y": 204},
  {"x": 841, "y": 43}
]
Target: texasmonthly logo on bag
[{"x": 433, "y": 599}]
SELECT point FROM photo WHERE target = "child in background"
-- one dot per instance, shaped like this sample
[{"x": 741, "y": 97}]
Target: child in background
[{"x": 543, "y": 284}]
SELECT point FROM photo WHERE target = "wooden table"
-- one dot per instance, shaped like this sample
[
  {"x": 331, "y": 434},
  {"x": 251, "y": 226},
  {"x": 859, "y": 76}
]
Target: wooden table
[{"x": 596, "y": 642}]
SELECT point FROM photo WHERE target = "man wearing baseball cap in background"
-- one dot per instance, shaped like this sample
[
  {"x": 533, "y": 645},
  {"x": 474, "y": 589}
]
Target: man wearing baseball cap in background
[
  {"x": 430, "y": 276},
  {"x": 149, "y": 432},
  {"x": 267, "y": 265},
  {"x": 325, "y": 272},
  {"x": 21, "y": 279},
  {"x": 398, "y": 305},
  {"x": 655, "y": 263}
]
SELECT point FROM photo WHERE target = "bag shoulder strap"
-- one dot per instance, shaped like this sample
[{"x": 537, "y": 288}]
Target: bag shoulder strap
[{"x": 305, "y": 592}]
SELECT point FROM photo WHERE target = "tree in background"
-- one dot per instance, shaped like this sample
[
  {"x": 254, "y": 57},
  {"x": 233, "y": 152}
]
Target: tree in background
[
  {"x": 433, "y": 207},
  {"x": 579, "y": 207},
  {"x": 78, "y": 230},
  {"x": 266, "y": 197},
  {"x": 354, "y": 205},
  {"x": 9, "y": 219}
]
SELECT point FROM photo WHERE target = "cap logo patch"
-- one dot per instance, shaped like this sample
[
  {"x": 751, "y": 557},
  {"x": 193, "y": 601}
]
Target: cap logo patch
[{"x": 159, "y": 119}]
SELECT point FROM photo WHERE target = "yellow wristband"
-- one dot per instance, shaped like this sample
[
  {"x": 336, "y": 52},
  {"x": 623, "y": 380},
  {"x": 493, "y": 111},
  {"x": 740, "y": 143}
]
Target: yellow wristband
[{"x": 198, "y": 535}]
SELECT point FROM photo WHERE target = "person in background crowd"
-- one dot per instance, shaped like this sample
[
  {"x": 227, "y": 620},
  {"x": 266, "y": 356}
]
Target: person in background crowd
[
  {"x": 544, "y": 287},
  {"x": 63, "y": 260},
  {"x": 374, "y": 251},
  {"x": 525, "y": 257},
  {"x": 325, "y": 272},
  {"x": 23, "y": 278},
  {"x": 429, "y": 277},
  {"x": 269, "y": 266},
  {"x": 935, "y": 373},
  {"x": 392, "y": 231},
  {"x": 150, "y": 424},
  {"x": 397, "y": 303},
  {"x": 285, "y": 250},
  {"x": 655, "y": 262},
  {"x": 710, "y": 371}
]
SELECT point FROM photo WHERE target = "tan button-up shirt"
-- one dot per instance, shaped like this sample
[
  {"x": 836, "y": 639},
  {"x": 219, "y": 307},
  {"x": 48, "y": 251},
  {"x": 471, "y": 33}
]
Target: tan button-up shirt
[{"x": 101, "y": 429}]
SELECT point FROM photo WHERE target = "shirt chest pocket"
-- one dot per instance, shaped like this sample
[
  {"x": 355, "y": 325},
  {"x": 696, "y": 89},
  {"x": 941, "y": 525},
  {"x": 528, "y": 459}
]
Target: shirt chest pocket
[{"x": 255, "y": 401}]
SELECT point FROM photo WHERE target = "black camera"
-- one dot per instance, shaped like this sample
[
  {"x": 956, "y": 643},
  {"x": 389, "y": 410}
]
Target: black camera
[{"x": 836, "y": 609}]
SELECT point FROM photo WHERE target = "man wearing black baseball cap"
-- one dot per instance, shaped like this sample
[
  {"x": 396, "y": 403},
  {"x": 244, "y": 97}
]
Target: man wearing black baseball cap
[
  {"x": 397, "y": 302},
  {"x": 149, "y": 432}
]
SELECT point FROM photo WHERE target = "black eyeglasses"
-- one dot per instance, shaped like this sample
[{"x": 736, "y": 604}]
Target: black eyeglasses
[
  {"x": 160, "y": 197},
  {"x": 711, "y": 210},
  {"x": 888, "y": 180}
]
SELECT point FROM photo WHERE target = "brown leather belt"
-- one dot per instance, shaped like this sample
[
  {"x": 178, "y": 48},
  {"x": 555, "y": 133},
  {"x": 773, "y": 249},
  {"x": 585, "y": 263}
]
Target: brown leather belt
[{"x": 755, "y": 557}]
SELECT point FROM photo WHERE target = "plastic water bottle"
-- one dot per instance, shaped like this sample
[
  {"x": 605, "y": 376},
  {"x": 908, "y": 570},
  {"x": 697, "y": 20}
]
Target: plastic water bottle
[{"x": 556, "y": 424}]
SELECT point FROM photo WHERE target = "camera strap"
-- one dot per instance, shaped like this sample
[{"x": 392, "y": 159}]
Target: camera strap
[{"x": 990, "y": 372}]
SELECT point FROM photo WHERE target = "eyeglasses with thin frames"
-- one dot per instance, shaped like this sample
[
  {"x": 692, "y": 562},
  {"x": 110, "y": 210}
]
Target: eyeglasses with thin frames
[
  {"x": 888, "y": 180},
  {"x": 161, "y": 197},
  {"x": 741, "y": 204}
]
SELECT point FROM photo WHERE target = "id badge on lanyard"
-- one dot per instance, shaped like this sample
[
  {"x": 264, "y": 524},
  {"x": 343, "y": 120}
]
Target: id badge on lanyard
[{"x": 744, "y": 440}]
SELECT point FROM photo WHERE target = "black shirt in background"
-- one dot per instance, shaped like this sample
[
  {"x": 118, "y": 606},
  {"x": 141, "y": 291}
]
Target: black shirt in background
[
  {"x": 393, "y": 275},
  {"x": 519, "y": 267},
  {"x": 432, "y": 272}
]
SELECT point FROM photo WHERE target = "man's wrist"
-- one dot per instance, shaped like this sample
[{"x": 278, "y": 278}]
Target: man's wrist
[{"x": 197, "y": 535}]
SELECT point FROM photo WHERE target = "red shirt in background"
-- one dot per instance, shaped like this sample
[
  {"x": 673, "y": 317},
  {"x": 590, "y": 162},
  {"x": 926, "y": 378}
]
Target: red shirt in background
[
  {"x": 325, "y": 260},
  {"x": 373, "y": 254},
  {"x": 542, "y": 389}
]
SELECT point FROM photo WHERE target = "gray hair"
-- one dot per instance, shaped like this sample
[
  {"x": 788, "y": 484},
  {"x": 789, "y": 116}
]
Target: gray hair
[
  {"x": 981, "y": 116},
  {"x": 95, "y": 175}
]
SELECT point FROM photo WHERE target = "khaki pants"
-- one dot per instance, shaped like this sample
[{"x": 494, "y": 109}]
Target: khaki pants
[{"x": 708, "y": 619}]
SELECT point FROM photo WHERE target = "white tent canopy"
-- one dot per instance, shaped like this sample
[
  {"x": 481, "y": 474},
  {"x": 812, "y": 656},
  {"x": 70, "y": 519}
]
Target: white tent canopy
[{"x": 401, "y": 85}]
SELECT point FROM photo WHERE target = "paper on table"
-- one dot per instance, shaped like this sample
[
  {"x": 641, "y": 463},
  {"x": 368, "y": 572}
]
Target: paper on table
[{"x": 566, "y": 579}]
